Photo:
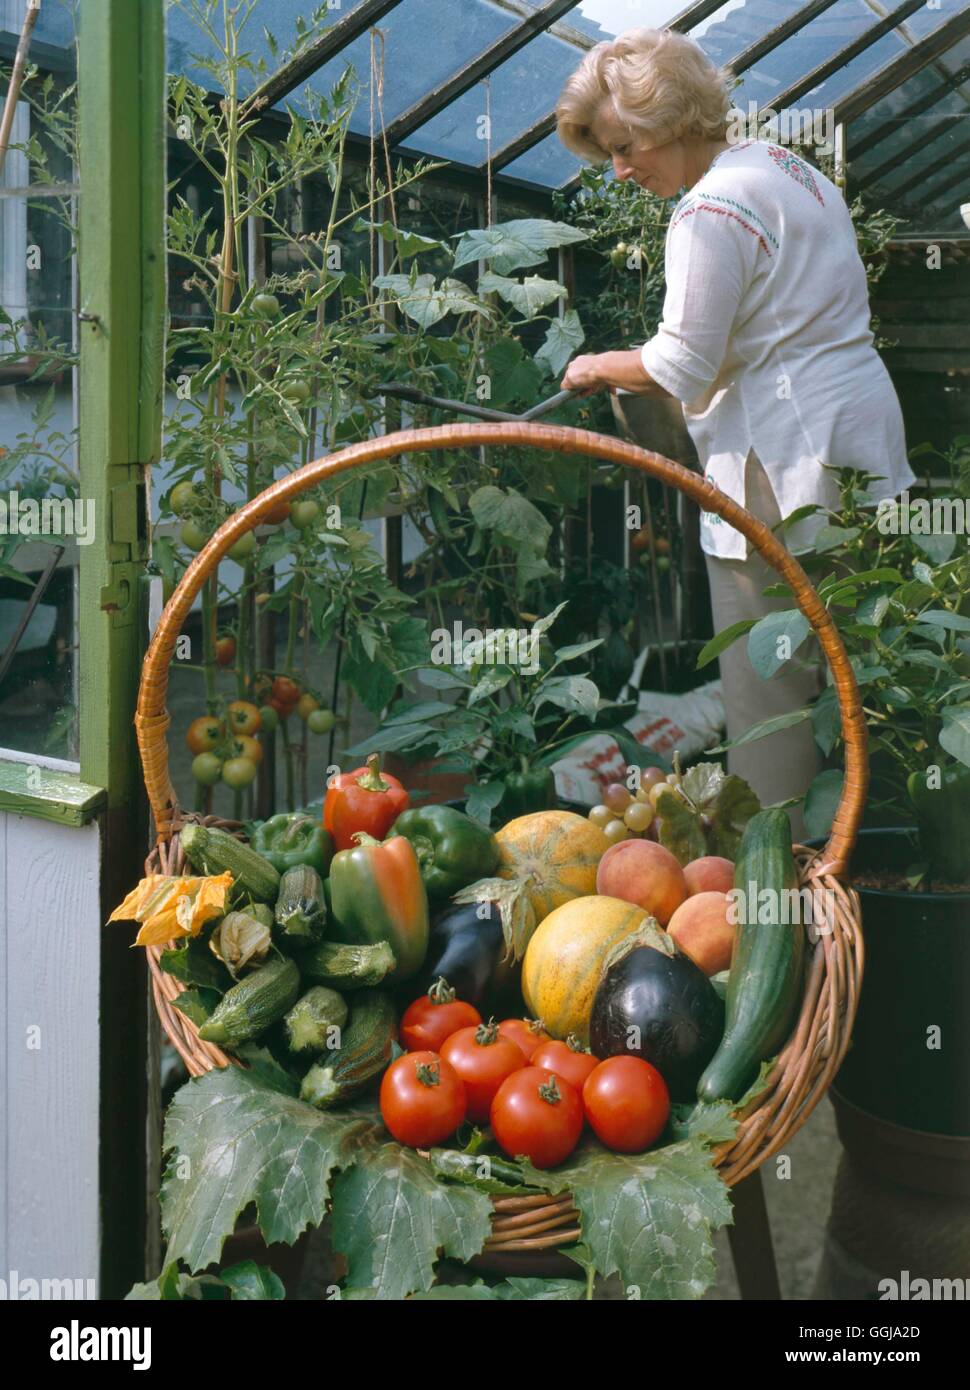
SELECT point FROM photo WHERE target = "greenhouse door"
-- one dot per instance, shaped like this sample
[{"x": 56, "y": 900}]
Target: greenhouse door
[{"x": 73, "y": 830}]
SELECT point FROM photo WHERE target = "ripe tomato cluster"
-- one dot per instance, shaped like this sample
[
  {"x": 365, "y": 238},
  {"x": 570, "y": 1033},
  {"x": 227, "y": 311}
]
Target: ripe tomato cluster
[
  {"x": 226, "y": 749},
  {"x": 536, "y": 1092}
]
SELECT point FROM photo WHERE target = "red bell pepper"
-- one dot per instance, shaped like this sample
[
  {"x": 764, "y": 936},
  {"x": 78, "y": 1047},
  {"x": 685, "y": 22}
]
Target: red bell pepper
[{"x": 363, "y": 800}]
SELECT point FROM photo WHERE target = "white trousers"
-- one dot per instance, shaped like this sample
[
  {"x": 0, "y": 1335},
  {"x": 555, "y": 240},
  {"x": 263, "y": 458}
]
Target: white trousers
[{"x": 782, "y": 765}]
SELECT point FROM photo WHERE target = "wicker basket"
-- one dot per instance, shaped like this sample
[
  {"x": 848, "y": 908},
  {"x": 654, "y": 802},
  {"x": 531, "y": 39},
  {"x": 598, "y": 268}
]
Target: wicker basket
[{"x": 815, "y": 1050}]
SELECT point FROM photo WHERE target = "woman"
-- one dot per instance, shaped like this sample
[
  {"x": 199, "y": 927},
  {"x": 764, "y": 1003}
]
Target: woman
[{"x": 764, "y": 339}]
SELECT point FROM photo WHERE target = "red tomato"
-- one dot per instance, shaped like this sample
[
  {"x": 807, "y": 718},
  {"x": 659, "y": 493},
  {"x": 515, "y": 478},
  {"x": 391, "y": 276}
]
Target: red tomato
[
  {"x": 432, "y": 1019},
  {"x": 225, "y": 650},
  {"x": 204, "y": 734},
  {"x": 538, "y": 1115},
  {"x": 483, "y": 1060},
  {"x": 627, "y": 1104},
  {"x": 286, "y": 691},
  {"x": 245, "y": 746},
  {"x": 422, "y": 1100},
  {"x": 242, "y": 717},
  {"x": 527, "y": 1032},
  {"x": 571, "y": 1063}
]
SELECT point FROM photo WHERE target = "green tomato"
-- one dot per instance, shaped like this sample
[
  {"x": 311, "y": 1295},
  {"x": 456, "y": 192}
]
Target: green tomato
[
  {"x": 193, "y": 535},
  {"x": 243, "y": 548},
  {"x": 619, "y": 254},
  {"x": 266, "y": 306},
  {"x": 183, "y": 498},
  {"x": 304, "y": 513},
  {"x": 207, "y": 769},
  {"x": 321, "y": 721},
  {"x": 268, "y": 719},
  {"x": 295, "y": 390},
  {"x": 238, "y": 772},
  {"x": 663, "y": 564}
]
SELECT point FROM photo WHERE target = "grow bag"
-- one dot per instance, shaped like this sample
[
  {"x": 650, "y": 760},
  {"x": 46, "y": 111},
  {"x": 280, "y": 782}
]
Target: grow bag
[{"x": 812, "y": 1055}]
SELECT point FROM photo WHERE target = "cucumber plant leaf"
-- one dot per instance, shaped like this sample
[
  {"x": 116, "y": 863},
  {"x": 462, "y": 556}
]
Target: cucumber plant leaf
[{"x": 391, "y": 1216}]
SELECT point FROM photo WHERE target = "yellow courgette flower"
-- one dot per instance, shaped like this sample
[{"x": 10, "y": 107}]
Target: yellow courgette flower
[{"x": 169, "y": 908}]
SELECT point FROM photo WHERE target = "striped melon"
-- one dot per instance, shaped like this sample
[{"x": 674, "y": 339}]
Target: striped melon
[
  {"x": 554, "y": 855},
  {"x": 565, "y": 958}
]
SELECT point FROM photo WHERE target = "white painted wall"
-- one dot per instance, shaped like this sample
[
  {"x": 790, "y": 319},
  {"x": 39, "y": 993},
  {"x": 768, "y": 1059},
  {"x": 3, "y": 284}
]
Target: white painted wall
[{"x": 49, "y": 1049}]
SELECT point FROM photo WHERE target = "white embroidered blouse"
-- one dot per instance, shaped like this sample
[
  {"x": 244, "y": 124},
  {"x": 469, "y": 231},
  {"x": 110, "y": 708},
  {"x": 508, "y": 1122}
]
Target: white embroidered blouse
[{"x": 765, "y": 339}]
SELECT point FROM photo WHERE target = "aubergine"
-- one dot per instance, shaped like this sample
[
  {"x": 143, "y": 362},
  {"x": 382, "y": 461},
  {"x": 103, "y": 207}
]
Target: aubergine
[
  {"x": 654, "y": 1002},
  {"x": 469, "y": 951}
]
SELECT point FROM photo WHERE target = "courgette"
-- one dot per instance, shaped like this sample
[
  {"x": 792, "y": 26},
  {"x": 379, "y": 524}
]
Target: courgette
[
  {"x": 347, "y": 967},
  {"x": 764, "y": 988},
  {"x": 254, "y": 1004},
  {"x": 213, "y": 851},
  {"x": 366, "y": 1050},
  {"x": 300, "y": 911},
  {"x": 315, "y": 1020}
]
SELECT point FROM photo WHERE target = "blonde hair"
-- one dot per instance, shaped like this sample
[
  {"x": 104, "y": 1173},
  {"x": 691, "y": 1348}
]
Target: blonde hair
[{"x": 661, "y": 83}]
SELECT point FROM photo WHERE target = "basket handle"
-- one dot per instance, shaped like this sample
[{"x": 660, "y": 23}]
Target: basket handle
[{"x": 152, "y": 719}]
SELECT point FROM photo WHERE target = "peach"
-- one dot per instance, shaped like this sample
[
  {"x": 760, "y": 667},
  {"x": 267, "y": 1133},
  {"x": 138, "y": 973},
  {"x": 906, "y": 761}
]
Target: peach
[
  {"x": 711, "y": 874},
  {"x": 700, "y": 926},
  {"x": 645, "y": 873}
]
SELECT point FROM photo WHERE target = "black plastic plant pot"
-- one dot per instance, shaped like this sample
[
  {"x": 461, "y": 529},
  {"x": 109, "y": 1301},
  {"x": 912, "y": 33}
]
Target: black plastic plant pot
[{"x": 909, "y": 1060}]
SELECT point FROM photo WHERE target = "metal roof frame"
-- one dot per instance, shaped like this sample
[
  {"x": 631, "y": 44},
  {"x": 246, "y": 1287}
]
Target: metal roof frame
[
  {"x": 906, "y": 65},
  {"x": 915, "y": 108},
  {"x": 944, "y": 162}
]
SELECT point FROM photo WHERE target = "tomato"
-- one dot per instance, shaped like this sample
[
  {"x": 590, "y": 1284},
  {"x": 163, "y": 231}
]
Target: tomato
[
  {"x": 204, "y": 734},
  {"x": 225, "y": 650},
  {"x": 321, "y": 721},
  {"x": 206, "y": 769},
  {"x": 268, "y": 719},
  {"x": 619, "y": 254},
  {"x": 627, "y": 1104},
  {"x": 242, "y": 717},
  {"x": 245, "y": 746},
  {"x": 279, "y": 709},
  {"x": 183, "y": 498},
  {"x": 528, "y": 1033},
  {"x": 244, "y": 548},
  {"x": 295, "y": 390},
  {"x": 307, "y": 704},
  {"x": 422, "y": 1100},
  {"x": 192, "y": 535},
  {"x": 305, "y": 513},
  {"x": 265, "y": 306},
  {"x": 238, "y": 772},
  {"x": 432, "y": 1019},
  {"x": 483, "y": 1060},
  {"x": 538, "y": 1115},
  {"x": 286, "y": 691},
  {"x": 571, "y": 1063},
  {"x": 262, "y": 687}
]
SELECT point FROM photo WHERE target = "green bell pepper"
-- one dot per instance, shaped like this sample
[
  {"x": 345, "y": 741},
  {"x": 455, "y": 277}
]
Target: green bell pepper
[
  {"x": 453, "y": 849},
  {"x": 288, "y": 840},
  {"x": 376, "y": 894},
  {"x": 943, "y": 815},
  {"x": 531, "y": 789}
]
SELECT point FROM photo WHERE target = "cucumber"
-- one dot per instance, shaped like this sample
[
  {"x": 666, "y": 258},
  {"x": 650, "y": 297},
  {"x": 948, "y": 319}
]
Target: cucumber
[
  {"x": 250, "y": 1007},
  {"x": 347, "y": 967},
  {"x": 764, "y": 988},
  {"x": 213, "y": 851},
  {"x": 300, "y": 911},
  {"x": 365, "y": 1052},
  {"x": 310, "y": 1022}
]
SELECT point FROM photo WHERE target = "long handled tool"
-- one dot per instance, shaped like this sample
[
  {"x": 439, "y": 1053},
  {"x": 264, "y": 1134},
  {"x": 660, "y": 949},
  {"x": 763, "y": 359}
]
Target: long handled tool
[{"x": 479, "y": 412}]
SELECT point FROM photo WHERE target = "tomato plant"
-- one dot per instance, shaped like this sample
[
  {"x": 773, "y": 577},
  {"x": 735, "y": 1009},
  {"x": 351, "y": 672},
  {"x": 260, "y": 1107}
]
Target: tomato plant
[
  {"x": 286, "y": 691},
  {"x": 538, "y": 1116},
  {"x": 245, "y": 746},
  {"x": 238, "y": 772},
  {"x": 567, "y": 1059},
  {"x": 204, "y": 734},
  {"x": 431, "y": 1020},
  {"x": 225, "y": 650},
  {"x": 627, "y": 1104},
  {"x": 265, "y": 306},
  {"x": 483, "y": 1060},
  {"x": 422, "y": 1099},
  {"x": 206, "y": 769},
  {"x": 183, "y": 497},
  {"x": 321, "y": 721},
  {"x": 528, "y": 1033},
  {"x": 295, "y": 390},
  {"x": 303, "y": 513},
  {"x": 242, "y": 717},
  {"x": 192, "y": 535}
]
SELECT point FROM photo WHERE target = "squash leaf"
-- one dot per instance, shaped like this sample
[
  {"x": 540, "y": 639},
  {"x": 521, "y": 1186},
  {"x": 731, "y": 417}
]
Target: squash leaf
[
  {"x": 647, "y": 1217},
  {"x": 391, "y": 1216}
]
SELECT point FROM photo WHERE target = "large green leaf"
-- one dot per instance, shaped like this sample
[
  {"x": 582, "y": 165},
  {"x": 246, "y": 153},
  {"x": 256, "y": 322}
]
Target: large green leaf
[
  {"x": 514, "y": 375},
  {"x": 232, "y": 1140},
  {"x": 648, "y": 1217},
  {"x": 510, "y": 515},
  {"x": 707, "y": 814},
  {"x": 529, "y": 296},
  {"x": 408, "y": 243},
  {"x": 821, "y": 801},
  {"x": 577, "y": 694},
  {"x": 391, "y": 1215},
  {"x": 775, "y": 639},
  {"x": 511, "y": 245},
  {"x": 563, "y": 339},
  {"x": 427, "y": 303},
  {"x": 723, "y": 640}
]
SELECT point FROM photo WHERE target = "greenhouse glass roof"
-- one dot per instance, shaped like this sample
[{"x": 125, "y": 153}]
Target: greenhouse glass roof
[{"x": 894, "y": 73}]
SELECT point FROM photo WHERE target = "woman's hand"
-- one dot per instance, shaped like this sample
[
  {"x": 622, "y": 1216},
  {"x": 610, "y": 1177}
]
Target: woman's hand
[{"x": 584, "y": 375}]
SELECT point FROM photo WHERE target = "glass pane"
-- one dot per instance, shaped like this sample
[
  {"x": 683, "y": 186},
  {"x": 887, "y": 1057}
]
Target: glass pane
[
  {"x": 55, "y": 23},
  {"x": 604, "y": 19},
  {"x": 38, "y": 460},
  {"x": 548, "y": 163},
  {"x": 921, "y": 85}
]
